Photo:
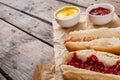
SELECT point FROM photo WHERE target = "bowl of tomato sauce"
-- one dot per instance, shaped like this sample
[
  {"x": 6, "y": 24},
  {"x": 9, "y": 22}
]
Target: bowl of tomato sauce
[{"x": 101, "y": 14}]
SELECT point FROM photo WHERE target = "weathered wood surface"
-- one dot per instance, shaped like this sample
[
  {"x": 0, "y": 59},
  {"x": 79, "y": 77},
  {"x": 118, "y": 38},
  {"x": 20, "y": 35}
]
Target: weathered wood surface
[
  {"x": 2, "y": 77},
  {"x": 86, "y": 3},
  {"x": 19, "y": 52},
  {"x": 41, "y": 8},
  {"x": 29, "y": 24}
]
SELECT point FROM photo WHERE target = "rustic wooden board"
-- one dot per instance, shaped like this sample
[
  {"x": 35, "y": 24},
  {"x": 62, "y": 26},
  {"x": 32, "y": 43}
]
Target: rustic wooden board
[
  {"x": 2, "y": 77},
  {"x": 19, "y": 52},
  {"x": 41, "y": 8},
  {"x": 86, "y": 3},
  {"x": 29, "y": 24}
]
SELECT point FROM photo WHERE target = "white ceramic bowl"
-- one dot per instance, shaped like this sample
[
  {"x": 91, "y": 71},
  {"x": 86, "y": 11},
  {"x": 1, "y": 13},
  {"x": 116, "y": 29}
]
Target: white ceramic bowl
[
  {"x": 101, "y": 19},
  {"x": 67, "y": 23}
]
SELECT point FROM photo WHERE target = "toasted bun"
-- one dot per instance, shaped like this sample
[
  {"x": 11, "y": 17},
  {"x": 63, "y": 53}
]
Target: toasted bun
[
  {"x": 103, "y": 44},
  {"x": 96, "y": 33},
  {"x": 72, "y": 73}
]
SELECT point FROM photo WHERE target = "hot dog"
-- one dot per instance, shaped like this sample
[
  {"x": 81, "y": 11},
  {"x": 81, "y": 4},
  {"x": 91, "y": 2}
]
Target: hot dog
[
  {"x": 102, "y": 39},
  {"x": 91, "y": 65},
  {"x": 103, "y": 44},
  {"x": 91, "y": 34}
]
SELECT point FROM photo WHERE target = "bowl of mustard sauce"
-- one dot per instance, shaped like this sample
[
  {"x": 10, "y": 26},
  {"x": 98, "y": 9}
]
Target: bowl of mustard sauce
[{"x": 67, "y": 16}]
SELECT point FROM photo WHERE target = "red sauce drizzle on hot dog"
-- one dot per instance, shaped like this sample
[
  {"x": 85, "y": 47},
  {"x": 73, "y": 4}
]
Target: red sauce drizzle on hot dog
[
  {"x": 92, "y": 63},
  {"x": 84, "y": 39}
]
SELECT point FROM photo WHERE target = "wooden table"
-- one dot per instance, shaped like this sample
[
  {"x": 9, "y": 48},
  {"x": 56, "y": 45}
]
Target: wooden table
[{"x": 26, "y": 37}]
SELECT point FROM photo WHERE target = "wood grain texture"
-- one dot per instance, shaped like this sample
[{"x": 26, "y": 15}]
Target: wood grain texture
[
  {"x": 29, "y": 24},
  {"x": 19, "y": 52},
  {"x": 86, "y": 3},
  {"x": 41, "y": 8},
  {"x": 2, "y": 77}
]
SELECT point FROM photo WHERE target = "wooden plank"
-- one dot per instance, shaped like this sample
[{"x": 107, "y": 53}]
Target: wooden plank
[
  {"x": 19, "y": 52},
  {"x": 41, "y": 8},
  {"x": 2, "y": 77},
  {"x": 29, "y": 24},
  {"x": 86, "y": 3}
]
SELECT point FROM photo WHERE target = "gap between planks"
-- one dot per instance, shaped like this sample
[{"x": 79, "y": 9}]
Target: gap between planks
[
  {"x": 5, "y": 75},
  {"x": 72, "y": 3},
  {"x": 27, "y": 23},
  {"x": 28, "y": 14},
  {"x": 27, "y": 57},
  {"x": 28, "y": 33},
  {"x": 44, "y": 12}
]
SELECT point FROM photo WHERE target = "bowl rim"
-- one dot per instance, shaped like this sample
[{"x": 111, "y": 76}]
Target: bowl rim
[
  {"x": 100, "y": 4},
  {"x": 64, "y": 8}
]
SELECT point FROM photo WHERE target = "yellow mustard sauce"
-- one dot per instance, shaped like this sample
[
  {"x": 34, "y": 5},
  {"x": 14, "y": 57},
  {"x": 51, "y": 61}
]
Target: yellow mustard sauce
[{"x": 67, "y": 13}]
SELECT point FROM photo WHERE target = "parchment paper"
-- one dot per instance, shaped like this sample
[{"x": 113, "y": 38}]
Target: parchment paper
[{"x": 60, "y": 34}]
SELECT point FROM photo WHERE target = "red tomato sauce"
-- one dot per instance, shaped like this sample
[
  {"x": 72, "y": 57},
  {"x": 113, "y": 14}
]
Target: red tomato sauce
[
  {"x": 99, "y": 11},
  {"x": 92, "y": 63},
  {"x": 85, "y": 39}
]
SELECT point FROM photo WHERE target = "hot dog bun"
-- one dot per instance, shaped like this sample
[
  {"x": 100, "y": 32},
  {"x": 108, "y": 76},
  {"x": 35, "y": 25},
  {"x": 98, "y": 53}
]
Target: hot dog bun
[
  {"x": 94, "y": 33},
  {"x": 103, "y": 44},
  {"x": 73, "y": 73}
]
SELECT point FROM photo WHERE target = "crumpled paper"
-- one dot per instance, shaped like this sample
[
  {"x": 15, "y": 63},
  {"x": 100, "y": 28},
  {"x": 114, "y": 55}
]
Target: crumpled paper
[
  {"x": 45, "y": 71},
  {"x": 52, "y": 71}
]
